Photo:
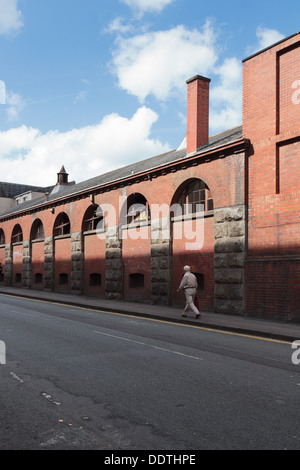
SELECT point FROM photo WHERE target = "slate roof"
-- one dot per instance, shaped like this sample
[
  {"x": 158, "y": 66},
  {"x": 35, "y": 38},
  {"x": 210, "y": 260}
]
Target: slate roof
[{"x": 174, "y": 156}]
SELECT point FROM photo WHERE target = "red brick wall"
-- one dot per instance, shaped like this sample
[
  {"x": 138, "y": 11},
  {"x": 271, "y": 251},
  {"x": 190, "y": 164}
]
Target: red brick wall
[
  {"x": 201, "y": 261},
  {"x": 62, "y": 263},
  {"x": 2, "y": 259},
  {"x": 94, "y": 262},
  {"x": 136, "y": 259},
  {"x": 17, "y": 271},
  {"x": 271, "y": 119},
  {"x": 37, "y": 262}
]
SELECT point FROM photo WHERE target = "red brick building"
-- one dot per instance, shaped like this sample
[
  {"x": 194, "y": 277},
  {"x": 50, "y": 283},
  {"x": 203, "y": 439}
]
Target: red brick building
[{"x": 227, "y": 205}]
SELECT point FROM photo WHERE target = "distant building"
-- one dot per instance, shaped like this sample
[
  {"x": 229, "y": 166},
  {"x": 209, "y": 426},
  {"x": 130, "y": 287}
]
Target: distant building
[{"x": 227, "y": 205}]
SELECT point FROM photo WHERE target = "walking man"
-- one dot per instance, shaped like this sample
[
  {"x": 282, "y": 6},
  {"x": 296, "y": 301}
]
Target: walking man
[{"x": 189, "y": 285}]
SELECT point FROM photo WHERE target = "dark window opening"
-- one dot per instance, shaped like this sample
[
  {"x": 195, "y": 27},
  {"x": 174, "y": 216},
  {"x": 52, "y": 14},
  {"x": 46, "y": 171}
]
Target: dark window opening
[
  {"x": 200, "y": 280},
  {"x": 18, "y": 277},
  {"x": 136, "y": 281},
  {"x": 2, "y": 237},
  {"x": 63, "y": 279},
  {"x": 37, "y": 230},
  {"x": 17, "y": 234},
  {"x": 95, "y": 279},
  {"x": 138, "y": 209},
  {"x": 93, "y": 219},
  {"x": 196, "y": 197},
  {"x": 38, "y": 278},
  {"x": 62, "y": 225}
]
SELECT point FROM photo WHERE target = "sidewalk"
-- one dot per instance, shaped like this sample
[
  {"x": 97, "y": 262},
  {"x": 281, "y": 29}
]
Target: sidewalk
[{"x": 283, "y": 331}]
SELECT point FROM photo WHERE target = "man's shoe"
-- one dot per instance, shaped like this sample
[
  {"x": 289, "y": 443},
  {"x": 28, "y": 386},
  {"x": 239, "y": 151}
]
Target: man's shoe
[{"x": 198, "y": 315}]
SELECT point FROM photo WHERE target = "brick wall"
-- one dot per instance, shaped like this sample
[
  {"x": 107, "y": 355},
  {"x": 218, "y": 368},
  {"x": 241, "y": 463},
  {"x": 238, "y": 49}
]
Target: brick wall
[{"x": 271, "y": 118}]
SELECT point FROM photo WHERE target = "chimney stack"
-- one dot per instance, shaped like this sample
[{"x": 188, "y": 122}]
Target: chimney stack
[{"x": 197, "y": 112}]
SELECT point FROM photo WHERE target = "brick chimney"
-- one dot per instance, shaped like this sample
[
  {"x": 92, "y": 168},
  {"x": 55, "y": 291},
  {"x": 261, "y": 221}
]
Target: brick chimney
[{"x": 197, "y": 112}]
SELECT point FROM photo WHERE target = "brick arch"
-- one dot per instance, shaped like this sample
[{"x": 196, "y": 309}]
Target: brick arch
[
  {"x": 17, "y": 234},
  {"x": 183, "y": 185},
  {"x": 34, "y": 227},
  {"x": 129, "y": 202},
  {"x": 2, "y": 237},
  {"x": 92, "y": 217},
  {"x": 62, "y": 220}
]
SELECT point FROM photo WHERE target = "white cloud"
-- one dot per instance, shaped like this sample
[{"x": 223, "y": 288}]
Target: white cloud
[
  {"x": 15, "y": 103},
  {"x": 117, "y": 26},
  {"x": 28, "y": 156},
  {"x": 2, "y": 92},
  {"x": 158, "y": 63},
  {"x": 266, "y": 37},
  {"x": 226, "y": 96},
  {"x": 146, "y": 6},
  {"x": 81, "y": 96},
  {"x": 10, "y": 17}
]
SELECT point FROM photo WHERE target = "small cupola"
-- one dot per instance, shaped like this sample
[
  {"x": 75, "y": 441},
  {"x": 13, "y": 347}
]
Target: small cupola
[{"x": 62, "y": 176}]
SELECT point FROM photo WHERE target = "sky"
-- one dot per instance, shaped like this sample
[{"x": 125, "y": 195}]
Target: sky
[{"x": 98, "y": 84}]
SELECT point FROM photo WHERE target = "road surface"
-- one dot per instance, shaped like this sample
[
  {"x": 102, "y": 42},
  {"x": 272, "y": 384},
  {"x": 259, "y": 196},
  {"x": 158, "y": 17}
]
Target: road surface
[{"x": 81, "y": 379}]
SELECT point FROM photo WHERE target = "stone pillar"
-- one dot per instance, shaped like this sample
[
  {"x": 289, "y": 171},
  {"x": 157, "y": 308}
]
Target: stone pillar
[
  {"x": 8, "y": 265},
  {"x": 113, "y": 264},
  {"x": 161, "y": 261},
  {"x": 49, "y": 264},
  {"x": 27, "y": 266},
  {"x": 77, "y": 263},
  {"x": 229, "y": 259}
]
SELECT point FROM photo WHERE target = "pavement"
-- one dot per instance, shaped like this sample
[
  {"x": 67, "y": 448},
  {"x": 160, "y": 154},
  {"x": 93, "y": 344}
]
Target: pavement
[{"x": 277, "y": 330}]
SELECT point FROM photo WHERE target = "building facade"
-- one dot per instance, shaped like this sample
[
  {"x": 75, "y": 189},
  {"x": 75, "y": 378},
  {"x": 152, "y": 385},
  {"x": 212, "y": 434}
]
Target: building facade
[{"x": 227, "y": 205}]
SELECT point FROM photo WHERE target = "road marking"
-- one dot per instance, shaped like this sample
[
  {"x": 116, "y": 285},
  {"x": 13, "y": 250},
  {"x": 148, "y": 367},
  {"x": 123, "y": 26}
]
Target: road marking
[
  {"x": 17, "y": 378},
  {"x": 214, "y": 330},
  {"x": 147, "y": 344}
]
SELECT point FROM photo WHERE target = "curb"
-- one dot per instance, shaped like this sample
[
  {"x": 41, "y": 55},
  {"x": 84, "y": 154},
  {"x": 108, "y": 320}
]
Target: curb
[{"x": 195, "y": 323}]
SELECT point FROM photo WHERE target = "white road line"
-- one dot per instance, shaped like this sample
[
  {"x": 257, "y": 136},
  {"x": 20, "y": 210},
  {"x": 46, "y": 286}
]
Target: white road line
[{"x": 148, "y": 345}]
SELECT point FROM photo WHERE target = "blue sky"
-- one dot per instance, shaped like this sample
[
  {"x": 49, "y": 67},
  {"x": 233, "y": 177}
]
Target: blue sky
[{"x": 97, "y": 84}]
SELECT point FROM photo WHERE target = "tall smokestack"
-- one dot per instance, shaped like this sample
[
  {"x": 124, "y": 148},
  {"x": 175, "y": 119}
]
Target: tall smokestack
[{"x": 197, "y": 112}]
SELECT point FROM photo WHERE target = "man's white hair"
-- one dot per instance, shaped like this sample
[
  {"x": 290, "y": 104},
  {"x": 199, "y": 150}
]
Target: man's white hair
[{"x": 186, "y": 268}]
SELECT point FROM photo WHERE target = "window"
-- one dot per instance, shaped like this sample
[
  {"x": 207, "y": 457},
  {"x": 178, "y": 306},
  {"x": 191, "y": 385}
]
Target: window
[
  {"x": 63, "y": 279},
  {"x": 138, "y": 209},
  {"x": 37, "y": 230},
  {"x": 95, "y": 279},
  {"x": 2, "y": 237},
  {"x": 38, "y": 278},
  {"x": 93, "y": 219},
  {"x": 195, "y": 197},
  {"x": 62, "y": 225},
  {"x": 17, "y": 234},
  {"x": 18, "y": 277},
  {"x": 136, "y": 280},
  {"x": 200, "y": 280}
]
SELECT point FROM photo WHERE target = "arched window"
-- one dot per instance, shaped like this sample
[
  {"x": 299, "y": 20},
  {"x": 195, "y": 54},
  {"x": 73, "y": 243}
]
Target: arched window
[
  {"x": 195, "y": 197},
  {"x": 37, "y": 230},
  {"x": 93, "y": 219},
  {"x": 17, "y": 234},
  {"x": 2, "y": 237},
  {"x": 136, "y": 209},
  {"x": 61, "y": 225}
]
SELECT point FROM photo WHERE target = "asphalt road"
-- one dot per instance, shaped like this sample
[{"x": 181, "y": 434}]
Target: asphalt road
[{"x": 80, "y": 379}]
